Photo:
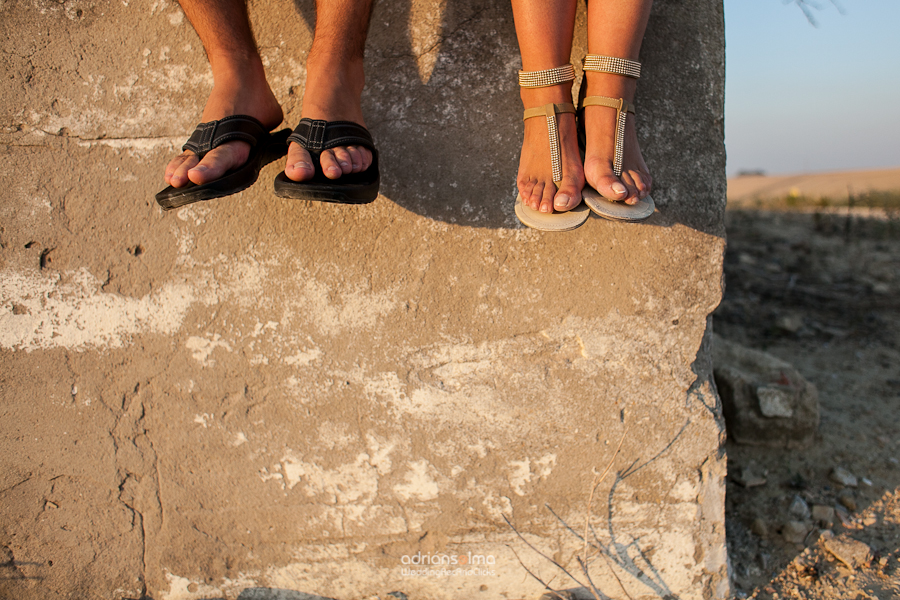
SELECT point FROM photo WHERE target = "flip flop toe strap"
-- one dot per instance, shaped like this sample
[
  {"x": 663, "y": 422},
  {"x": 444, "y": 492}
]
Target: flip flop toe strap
[
  {"x": 550, "y": 111},
  {"x": 316, "y": 135},
  {"x": 623, "y": 107},
  {"x": 215, "y": 133}
]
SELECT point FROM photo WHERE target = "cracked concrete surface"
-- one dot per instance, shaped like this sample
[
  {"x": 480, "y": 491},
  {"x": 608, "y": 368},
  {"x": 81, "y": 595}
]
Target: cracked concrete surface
[{"x": 258, "y": 398}]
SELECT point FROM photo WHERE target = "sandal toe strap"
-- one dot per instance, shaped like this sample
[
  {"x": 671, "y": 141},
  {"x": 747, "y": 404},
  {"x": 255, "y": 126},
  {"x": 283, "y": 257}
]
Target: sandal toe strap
[
  {"x": 316, "y": 135},
  {"x": 215, "y": 133},
  {"x": 550, "y": 111},
  {"x": 623, "y": 107}
]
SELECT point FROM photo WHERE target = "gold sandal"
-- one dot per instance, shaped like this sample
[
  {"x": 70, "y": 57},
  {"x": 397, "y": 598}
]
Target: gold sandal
[
  {"x": 604, "y": 207},
  {"x": 555, "y": 221}
]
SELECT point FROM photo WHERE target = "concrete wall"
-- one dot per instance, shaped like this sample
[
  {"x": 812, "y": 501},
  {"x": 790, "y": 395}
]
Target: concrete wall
[{"x": 262, "y": 398}]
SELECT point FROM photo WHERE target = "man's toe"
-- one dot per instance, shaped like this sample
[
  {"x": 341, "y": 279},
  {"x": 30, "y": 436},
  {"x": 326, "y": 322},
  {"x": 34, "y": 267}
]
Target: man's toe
[
  {"x": 344, "y": 160},
  {"x": 360, "y": 157},
  {"x": 176, "y": 170},
  {"x": 331, "y": 167},
  {"x": 219, "y": 161},
  {"x": 299, "y": 165}
]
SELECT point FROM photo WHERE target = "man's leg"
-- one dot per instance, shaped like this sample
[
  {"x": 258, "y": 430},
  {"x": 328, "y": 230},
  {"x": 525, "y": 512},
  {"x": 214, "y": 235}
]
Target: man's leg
[
  {"x": 334, "y": 85},
  {"x": 239, "y": 86}
]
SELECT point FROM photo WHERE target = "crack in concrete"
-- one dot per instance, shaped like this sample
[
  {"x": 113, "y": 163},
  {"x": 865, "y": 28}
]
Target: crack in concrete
[{"x": 15, "y": 485}]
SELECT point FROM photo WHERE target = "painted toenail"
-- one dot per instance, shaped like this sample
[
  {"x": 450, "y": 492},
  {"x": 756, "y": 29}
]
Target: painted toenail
[{"x": 618, "y": 188}]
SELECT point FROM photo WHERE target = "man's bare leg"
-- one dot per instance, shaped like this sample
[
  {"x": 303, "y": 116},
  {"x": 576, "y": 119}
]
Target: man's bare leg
[
  {"x": 544, "y": 29},
  {"x": 334, "y": 85},
  {"x": 239, "y": 86},
  {"x": 615, "y": 28}
]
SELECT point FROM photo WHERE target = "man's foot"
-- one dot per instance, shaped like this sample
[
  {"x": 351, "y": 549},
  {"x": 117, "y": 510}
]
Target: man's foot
[
  {"x": 600, "y": 129},
  {"x": 240, "y": 95},
  {"x": 535, "y": 178},
  {"x": 333, "y": 93}
]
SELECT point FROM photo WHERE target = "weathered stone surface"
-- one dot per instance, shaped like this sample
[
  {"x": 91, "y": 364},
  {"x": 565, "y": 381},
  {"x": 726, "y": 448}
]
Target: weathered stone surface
[
  {"x": 852, "y": 553},
  {"x": 259, "y": 396},
  {"x": 766, "y": 401}
]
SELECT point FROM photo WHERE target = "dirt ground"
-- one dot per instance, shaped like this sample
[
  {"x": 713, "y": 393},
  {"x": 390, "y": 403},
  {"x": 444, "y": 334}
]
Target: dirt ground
[{"x": 819, "y": 289}]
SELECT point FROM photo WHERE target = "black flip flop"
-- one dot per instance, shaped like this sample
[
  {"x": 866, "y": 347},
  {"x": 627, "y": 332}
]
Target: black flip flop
[
  {"x": 352, "y": 188},
  {"x": 265, "y": 148}
]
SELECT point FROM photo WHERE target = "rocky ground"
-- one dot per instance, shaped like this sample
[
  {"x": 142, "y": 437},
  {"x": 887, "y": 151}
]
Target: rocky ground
[{"x": 819, "y": 290}]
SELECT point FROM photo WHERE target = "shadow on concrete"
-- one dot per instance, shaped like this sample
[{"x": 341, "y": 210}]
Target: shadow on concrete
[
  {"x": 449, "y": 138},
  {"x": 12, "y": 570}
]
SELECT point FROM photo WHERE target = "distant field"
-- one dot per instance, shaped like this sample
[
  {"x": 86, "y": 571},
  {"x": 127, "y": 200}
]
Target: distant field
[{"x": 864, "y": 189}]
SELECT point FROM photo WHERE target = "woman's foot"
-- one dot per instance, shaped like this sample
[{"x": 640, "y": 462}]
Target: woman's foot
[
  {"x": 600, "y": 130},
  {"x": 535, "y": 179},
  {"x": 239, "y": 93},
  {"x": 333, "y": 93}
]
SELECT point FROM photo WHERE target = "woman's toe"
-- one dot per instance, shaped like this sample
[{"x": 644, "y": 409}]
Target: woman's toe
[
  {"x": 568, "y": 196},
  {"x": 642, "y": 182},
  {"x": 547, "y": 199}
]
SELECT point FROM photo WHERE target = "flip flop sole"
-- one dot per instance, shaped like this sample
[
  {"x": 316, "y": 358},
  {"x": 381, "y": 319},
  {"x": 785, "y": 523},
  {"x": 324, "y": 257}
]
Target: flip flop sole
[
  {"x": 618, "y": 211},
  {"x": 232, "y": 182},
  {"x": 564, "y": 221},
  {"x": 340, "y": 193}
]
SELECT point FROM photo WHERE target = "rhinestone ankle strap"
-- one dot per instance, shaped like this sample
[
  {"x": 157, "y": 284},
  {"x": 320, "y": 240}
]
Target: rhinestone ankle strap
[
  {"x": 611, "y": 64},
  {"x": 547, "y": 77}
]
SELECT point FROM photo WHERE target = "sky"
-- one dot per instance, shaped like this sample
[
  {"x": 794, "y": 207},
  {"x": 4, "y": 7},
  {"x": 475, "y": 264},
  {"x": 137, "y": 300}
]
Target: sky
[{"x": 800, "y": 98}]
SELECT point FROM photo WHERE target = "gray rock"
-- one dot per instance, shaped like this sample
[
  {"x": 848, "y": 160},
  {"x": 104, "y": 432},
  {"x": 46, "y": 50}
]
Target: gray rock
[
  {"x": 799, "y": 509},
  {"x": 844, "y": 477},
  {"x": 852, "y": 553},
  {"x": 843, "y": 516},
  {"x": 748, "y": 477},
  {"x": 847, "y": 500},
  {"x": 790, "y": 323},
  {"x": 759, "y": 527},
  {"x": 766, "y": 401},
  {"x": 795, "y": 532},
  {"x": 823, "y": 514},
  {"x": 775, "y": 400}
]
